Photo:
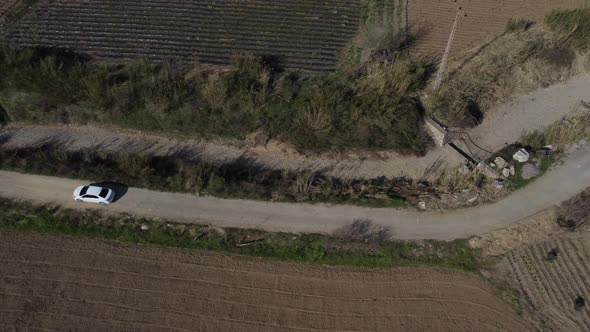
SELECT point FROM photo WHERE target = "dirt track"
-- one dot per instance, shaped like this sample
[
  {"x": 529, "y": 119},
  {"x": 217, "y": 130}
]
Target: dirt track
[
  {"x": 505, "y": 124},
  {"x": 557, "y": 185},
  {"x": 61, "y": 284}
]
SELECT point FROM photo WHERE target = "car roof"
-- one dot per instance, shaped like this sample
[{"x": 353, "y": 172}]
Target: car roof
[{"x": 93, "y": 190}]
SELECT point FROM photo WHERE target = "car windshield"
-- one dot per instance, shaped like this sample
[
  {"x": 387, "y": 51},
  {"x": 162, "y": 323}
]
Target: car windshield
[
  {"x": 103, "y": 192},
  {"x": 83, "y": 191}
]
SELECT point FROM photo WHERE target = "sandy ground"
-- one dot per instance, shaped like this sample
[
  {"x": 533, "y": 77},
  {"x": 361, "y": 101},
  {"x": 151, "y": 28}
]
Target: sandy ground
[
  {"x": 533, "y": 111},
  {"x": 58, "y": 283},
  {"x": 559, "y": 184},
  {"x": 480, "y": 20}
]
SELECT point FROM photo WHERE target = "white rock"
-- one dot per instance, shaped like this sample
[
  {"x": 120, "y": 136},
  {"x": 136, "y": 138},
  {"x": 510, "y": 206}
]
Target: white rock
[
  {"x": 422, "y": 205},
  {"x": 512, "y": 170},
  {"x": 522, "y": 156},
  {"x": 500, "y": 162},
  {"x": 473, "y": 199},
  {"x": 144, "y": 227},
  {"x": 506, "y": 172}
]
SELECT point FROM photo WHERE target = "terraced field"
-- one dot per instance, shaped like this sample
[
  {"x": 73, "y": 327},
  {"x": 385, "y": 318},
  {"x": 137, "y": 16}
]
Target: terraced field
[
  {"x": 57, "y": 283},
  {"x": 551, "y": 287},
  {"x": 304, "y": 34},
  {"x": 481, "y": 20}
]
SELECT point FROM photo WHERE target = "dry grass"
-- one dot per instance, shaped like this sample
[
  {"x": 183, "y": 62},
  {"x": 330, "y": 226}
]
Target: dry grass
[
  {"x": 214, "y": 92},
  {"x": 513, "y": 63},
  {"x": 457, "y": 187},
  {"x": 569, "y": 130}
]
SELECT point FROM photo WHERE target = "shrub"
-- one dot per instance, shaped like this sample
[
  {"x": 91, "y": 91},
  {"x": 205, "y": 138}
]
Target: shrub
[
  {"x": 371, "y": 108},
  {"x": 364, "y": 230}
]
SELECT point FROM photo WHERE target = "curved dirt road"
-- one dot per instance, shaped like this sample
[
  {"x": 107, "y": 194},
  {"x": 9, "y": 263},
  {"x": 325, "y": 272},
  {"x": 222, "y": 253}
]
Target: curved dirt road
[{"x": 559, "y": 184}]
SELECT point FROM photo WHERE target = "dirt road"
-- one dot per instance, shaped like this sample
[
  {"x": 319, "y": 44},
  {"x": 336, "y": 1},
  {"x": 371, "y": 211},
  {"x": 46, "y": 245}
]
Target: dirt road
[
  {"x": 504, "y": 124},
  {"x": 59, "y": 284},
  {"x": 557, "y": 185}
]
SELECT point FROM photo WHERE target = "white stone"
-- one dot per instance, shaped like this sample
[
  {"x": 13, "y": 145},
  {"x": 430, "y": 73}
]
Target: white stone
[
  {"x": 522, "y": 156},
  {"x": 422, "y": 205},
  {"x": 500, "y": 162},
  {"x": 512, "y": 170},
  {"x": 506, "y": 172},
  {"x": 144, "y": 227}
]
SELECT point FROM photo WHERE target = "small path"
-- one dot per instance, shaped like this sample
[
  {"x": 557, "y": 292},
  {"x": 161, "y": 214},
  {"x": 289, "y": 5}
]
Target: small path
[
  {"x": 503, "y": 125},
  {"x": 556, "y": 186}
]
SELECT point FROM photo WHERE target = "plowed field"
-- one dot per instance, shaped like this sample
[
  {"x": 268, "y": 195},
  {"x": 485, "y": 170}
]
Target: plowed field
[
  {"x": 550, "y": 287},
  {"x": 303, "y": 34},
  {"x": 5, "y": 5},
  {"x": 62, "y": 284},
  {"x": 482, "y": 20}
]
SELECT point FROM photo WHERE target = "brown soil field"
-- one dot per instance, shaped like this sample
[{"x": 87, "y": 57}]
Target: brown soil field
[
  {"x": 5, "y": 5},
  {"x": 295, "y": 34},
  {"x": 432, "y": 20},
  {"x": 549, "y": 287},
  {"x": 58, "y": 283}
]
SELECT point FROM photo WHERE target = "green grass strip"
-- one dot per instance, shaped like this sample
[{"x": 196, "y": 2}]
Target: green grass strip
[{"x": 309, "y": 248}]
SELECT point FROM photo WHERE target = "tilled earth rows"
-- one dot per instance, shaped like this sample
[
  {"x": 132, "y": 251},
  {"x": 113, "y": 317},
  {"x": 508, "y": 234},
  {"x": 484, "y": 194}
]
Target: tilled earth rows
[
  {"x": 432, "y": 21},
  {"x": 300, "y": 34},
  {"x": 5, "y": 5},
  {"x": 58, "y": 283},
  {"x": 551, "y": 286}
]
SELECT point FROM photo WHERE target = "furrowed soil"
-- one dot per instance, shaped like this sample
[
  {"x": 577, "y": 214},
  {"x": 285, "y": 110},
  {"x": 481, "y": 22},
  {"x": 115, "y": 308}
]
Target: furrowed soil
[
  {"x": 5, "y": 5},
  {"x": 549, "y": 287},
  {"x": 545, "y": 287},
  {"x": 481, "y": 20},
  {"x": 59, "y": 283},
  {"x": 300, "y": 34}
]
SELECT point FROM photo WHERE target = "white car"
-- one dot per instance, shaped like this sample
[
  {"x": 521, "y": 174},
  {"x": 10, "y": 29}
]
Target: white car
[{"x": 94, "y": 194}]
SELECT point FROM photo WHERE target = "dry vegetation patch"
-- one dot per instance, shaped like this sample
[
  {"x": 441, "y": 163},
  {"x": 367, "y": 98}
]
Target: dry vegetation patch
[{"x": 520, "y": 60}]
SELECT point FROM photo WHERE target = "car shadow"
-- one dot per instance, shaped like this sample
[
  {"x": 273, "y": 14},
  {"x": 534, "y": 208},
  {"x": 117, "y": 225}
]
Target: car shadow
[{"x": 120, "y": 189}]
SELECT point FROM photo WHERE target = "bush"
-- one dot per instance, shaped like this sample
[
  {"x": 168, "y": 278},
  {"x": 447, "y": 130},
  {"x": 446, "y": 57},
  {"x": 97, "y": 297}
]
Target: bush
[
  {"x": 365, "y": 231},
  {"x": 364, "y": 109}
]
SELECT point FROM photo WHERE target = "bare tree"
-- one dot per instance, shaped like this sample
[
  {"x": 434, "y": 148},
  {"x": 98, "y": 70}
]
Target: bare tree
[{"x": 364, "y": 230}]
